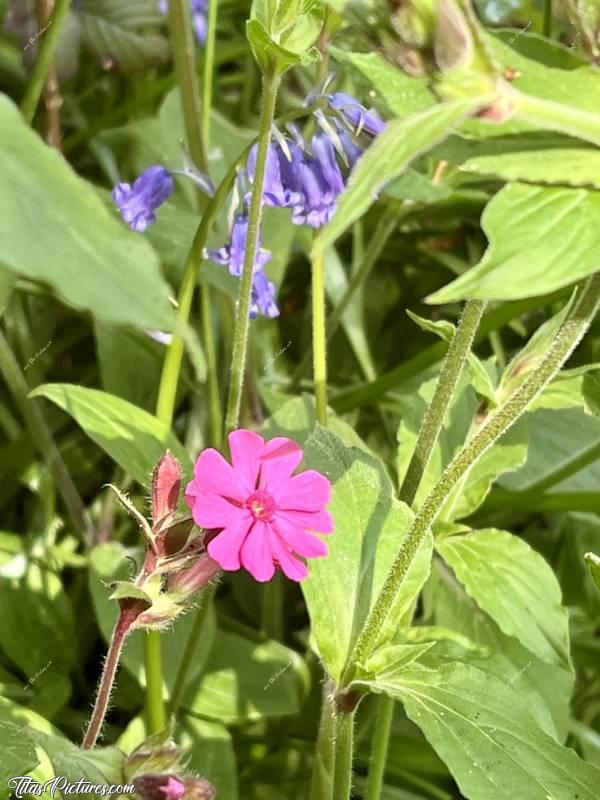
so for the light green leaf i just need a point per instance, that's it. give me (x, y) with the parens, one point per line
(515, 586)
(209, 752)
(133, 438)
(389, 155)
(18, 752)
(102, 765)
(124, 34)
(486, 735)
(369, 527)
(593, 562)
(92, 261)
(571, 388)
(540, 239)
(574, 167)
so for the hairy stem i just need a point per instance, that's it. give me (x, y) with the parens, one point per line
(498, 423)
(318, 333)
(342, 783)
(242, 321)
(44, 442)
(379, 747)
(47, 50)
(209, 69)
(431, 424)
(321, 786)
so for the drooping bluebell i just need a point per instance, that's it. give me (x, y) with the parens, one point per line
(355, 114)
(232, 254)
(138, 203)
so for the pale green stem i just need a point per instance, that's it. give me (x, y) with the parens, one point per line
(321, 787)
(155, 708)
(497, 423)
(318, 332)
(547, 28)
(379, 747)
(47, 50)
(242, 321)
(556, 116)
(342, 784)
(44, 442)
(209, 68)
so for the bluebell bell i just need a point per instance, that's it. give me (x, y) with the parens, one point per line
(355, 114)
(232, 254)
(199, 14)
(263, 296)
(281, 185)
(321, 181)
(352, 150)
(138, 203)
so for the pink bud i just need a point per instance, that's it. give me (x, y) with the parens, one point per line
(159, 787)
(191, 580)
(166, 484)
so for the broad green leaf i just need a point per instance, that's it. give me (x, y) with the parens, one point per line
(593, 562)
(18, 753)
(572, 388)
(92, 261)
(132, 437)
(209, 752)
(563, 453)
(540, 239)
(515, 586)
(102, 765)
(124, 35)
(486, 735)
(390, 154)
(403, 94)
(231, 692)
(570, 166)
(370, 525)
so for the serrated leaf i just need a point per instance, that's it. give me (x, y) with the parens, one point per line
(79, 249)
(487, 737)
(515, 586)
(370, 525)
(133, 438)
(569, 166)
(540, 239)
(390, 154)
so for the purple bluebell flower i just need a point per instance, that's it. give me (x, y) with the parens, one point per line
(263, 297)
(139, 202)
(321, 181)
(281, 187)
(199, 14)
(355, 114)
(232, 254)
(352, 150)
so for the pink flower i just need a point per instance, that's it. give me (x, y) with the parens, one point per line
(264, 510)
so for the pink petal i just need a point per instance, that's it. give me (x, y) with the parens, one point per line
(225, 547)
(214, 475)
(320, 521)
(256, 555)
(246, 448)
(299, 541)
(308, 491)
(212, 511)
(294, 569)
(280, 458)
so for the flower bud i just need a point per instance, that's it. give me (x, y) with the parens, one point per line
(166, 484)
(172, 787)
(189, 581)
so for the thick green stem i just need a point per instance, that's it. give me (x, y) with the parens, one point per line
(498, 423)
(431, 424)
(319, 344)
(379, 747)
(209, 69)
(47, 49)
(547, 27)
(242, 321)
(321, 787)
(556, 116)
(155, 706)
(44, 443)
(342, 783)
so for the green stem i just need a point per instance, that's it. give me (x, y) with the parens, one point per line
(47, 50)
(198, 628)
(497, 423)
(242, 321)
(547, 28)
(155, 708)
(431, 424)
(272, 608)
(342, 783)
(44, 442)
(321, 787)
(209, 69)
(379, 747)
(319, 332)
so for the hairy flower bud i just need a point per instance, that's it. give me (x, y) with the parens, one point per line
(166, 484)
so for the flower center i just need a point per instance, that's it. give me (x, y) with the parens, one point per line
(262, 505)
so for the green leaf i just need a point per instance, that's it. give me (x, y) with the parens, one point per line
(282, 33)
(130, 364)
(18, 752)
(570, 166)
(102, 765)
(230, 691)
(515, 586)
(133, 438)
(540, 239)
(593, 562)
(92, 261)
(390, 154)
(120, 34)
(486, 735)
(209, 752)
(370, 524)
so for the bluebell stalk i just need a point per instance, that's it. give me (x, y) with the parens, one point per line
(199, 16)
